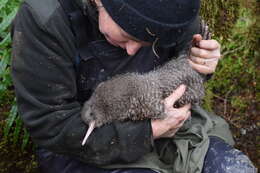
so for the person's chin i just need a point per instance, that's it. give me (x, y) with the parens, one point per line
(112, 42)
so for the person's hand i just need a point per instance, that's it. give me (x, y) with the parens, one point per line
(205, 56)
(175, 117)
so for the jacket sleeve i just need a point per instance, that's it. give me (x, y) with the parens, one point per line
(45, 84)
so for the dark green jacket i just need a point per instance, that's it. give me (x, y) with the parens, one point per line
(44, 76)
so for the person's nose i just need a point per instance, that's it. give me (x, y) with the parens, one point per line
(132, 47)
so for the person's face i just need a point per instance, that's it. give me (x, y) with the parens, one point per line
(115, 35)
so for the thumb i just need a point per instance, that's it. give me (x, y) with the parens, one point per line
(176, 95)
(196, 39)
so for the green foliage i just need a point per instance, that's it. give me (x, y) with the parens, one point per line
(4, 71)
(10, 120)
(233, 92)
(233, 88)
(13, 127)
(221, 15)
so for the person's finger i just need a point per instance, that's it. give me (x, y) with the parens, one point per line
(196, 60)
(170, 100)
(170, 133)
(197, 37)
(209, 44)
(185, 108)
(202, 68)
(203, 53)
(188, 115)
(202, 61)
(177, 115)
(184, 111)
(181, 121)
(180, 124)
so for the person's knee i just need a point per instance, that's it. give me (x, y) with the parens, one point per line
(236, 161)
(223, 158)
(133, 170)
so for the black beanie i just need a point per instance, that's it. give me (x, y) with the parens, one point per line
(148, 20)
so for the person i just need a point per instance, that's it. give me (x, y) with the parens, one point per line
(63, 49)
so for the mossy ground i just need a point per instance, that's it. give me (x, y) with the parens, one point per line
(13, 159)
(233, 92)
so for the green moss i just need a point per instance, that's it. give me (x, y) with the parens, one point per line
(233, 91)
(238, 70)
(239, 103)
(221, 15)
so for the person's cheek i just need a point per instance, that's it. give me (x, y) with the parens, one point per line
(104, 22)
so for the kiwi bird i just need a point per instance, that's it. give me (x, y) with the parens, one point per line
(134, 96)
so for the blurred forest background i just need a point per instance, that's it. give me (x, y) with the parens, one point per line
(233, 92)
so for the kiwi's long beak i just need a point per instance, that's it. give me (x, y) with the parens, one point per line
(90, 129)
